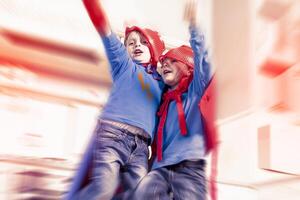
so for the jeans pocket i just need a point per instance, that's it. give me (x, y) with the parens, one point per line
(146, 149)
(109, 132)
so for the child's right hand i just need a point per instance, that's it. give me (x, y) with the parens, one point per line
(98, 16)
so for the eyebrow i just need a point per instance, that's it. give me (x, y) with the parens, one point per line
(129, 40)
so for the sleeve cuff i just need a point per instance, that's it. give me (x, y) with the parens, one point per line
(110, 40)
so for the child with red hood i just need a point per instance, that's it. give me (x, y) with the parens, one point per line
(186, 131)
(118, 152)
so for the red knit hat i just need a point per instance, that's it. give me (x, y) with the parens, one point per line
(183, 54)
(157, 46)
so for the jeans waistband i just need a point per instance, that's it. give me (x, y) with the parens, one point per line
(190, 163)
(131, 129)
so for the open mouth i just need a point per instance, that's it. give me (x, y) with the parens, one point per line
(137, 52)
(166, 71)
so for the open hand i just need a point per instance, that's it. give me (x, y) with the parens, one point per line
(190, 11)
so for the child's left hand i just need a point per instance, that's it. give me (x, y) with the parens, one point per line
(190, 11)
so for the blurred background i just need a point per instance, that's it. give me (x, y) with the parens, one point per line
(54, 80)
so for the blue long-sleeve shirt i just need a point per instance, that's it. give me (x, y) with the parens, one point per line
(135, 94)
(177, 147)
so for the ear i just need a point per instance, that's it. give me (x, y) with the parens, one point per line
(190, 71)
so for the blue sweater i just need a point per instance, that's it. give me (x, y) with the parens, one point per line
(176, 147)
(135, 94)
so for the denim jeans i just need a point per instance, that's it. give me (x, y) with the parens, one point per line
(182, 181)
(119, 157)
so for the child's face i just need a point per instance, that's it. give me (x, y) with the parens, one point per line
(137, 47)
(172, 71)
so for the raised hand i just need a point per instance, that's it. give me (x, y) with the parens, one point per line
(98, 16)
(190, 11)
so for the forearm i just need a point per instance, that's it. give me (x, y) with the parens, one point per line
(202, 67)
(197, 39)
(98, 16)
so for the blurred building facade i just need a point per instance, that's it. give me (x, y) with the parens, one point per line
(54, 81)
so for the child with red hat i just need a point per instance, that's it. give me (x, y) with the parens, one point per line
(119, 147)
(185, 133)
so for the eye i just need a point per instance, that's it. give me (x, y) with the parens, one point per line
(130, 42)
(145, 42)
(173, 61)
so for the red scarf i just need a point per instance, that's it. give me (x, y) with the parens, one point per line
(163, 112)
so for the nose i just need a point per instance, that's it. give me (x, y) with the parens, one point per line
(138, 44)
(165, 64)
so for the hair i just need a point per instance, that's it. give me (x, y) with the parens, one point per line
(182, 54)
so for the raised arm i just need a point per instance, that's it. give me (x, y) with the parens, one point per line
(116, 52)
(98, 16)
(201, 65)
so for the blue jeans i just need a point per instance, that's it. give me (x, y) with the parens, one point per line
(182, 181)
(120, 156)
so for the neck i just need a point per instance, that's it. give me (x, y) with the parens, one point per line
(171, 88)
(182, 85)
(144, 64)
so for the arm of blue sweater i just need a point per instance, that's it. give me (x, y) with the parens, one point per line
(201, 65)
(117, 55)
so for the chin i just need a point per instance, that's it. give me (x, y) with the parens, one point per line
(137, 61)
(169, 82)
(140, 61)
